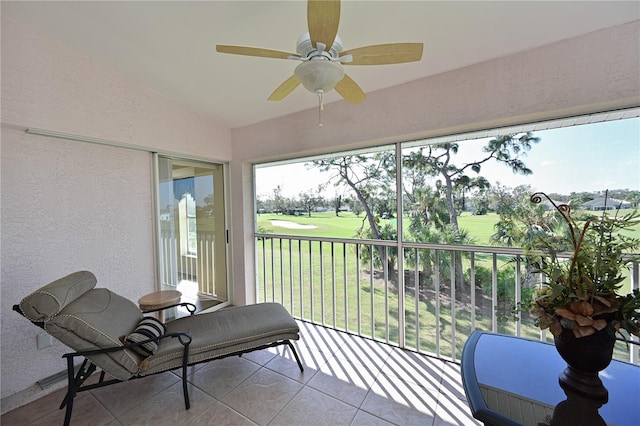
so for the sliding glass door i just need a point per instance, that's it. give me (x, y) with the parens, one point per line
(192, 234)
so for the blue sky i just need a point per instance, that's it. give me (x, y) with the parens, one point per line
(591, 157)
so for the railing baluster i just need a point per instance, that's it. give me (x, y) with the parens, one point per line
(311, 281)
(173, 267)
(300, 279)
(386, 293)
(472, 288)
(264, 267)
(344, 281)
(518, 295)
(291, 275)
(322, 283)
(372, 292)
(402, 325)
(273, 274)
(281, 261)
(196, 269)
(452, 297)
(416, 291)
(333, 283)
(634, 350)
(358, 283)
(207, 273)
(436, 288)
(494, 293)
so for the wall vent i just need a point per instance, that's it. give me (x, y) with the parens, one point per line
(55, 378)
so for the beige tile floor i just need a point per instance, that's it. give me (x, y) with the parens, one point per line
(347, 381)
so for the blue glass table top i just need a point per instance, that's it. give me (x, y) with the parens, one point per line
(510, 380)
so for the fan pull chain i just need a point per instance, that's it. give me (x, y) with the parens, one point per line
(320, 107)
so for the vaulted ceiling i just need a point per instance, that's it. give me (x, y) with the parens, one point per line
(169, 47)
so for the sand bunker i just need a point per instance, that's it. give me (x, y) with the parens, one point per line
(291, 225)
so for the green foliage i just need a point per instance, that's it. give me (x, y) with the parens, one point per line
(505, 288)
(580, 293)
(626, 317)
(386, 232)
(482, 277)
(264, 230)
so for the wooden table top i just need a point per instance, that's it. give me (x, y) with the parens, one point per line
(159, 299)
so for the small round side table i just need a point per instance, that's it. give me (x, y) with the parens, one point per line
(158, 300)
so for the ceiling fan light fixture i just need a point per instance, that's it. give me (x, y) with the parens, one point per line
(319, 75)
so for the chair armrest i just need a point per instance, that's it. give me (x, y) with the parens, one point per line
(190, 307)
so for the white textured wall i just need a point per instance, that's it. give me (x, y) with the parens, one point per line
(46, 85)
(68, 205)
(590, 73)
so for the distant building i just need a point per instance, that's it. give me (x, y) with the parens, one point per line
(603, 203)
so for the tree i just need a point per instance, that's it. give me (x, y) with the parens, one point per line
(480, 203)
(369, 177)
(437, 161)
(309, 200)
(355, 205)
(518, 217)
(464, 184)
(426, 209)
(634, 198)
(278, 200)
(261, 205)
(337, 203)
(578, 197)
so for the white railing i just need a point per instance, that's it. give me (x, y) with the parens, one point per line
(196, 267)
(340, 283)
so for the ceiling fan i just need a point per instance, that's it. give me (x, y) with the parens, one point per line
(320, 50)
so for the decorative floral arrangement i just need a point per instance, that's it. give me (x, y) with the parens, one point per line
(580, 292)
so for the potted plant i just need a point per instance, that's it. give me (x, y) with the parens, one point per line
(579, 300)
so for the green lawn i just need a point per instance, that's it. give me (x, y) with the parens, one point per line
(327, 224)
(311, 288)
(480, 228)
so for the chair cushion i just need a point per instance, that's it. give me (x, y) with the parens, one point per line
(148, 328)
(46, 302)
(96, 320)
(224, 332)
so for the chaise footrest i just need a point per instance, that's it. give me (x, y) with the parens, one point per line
(225, 332)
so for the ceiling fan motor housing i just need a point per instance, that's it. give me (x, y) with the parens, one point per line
(305, 48)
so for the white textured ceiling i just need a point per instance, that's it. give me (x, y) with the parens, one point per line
(169, 46)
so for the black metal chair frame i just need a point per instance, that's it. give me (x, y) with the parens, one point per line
(87, 368)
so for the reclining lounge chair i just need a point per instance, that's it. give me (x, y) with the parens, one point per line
(110, 333)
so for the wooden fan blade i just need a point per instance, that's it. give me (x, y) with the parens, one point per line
(285, 88)
(323, 18)
(350, 90)
(254, 51)
(381, 54)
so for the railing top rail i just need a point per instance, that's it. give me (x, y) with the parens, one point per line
(328, 239)
(515, 251)
(393, 243)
